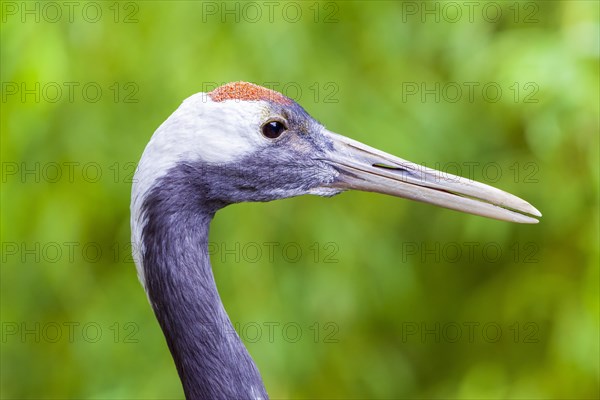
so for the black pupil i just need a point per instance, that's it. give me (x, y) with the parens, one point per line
(273, 129)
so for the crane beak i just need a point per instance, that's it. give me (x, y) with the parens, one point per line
(362, 167)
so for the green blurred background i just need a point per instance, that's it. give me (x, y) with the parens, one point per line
(359, 296)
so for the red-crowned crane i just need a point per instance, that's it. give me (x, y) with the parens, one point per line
(242, 142)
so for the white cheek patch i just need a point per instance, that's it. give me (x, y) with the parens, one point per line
(199, 130)
(204, 130)
(222, 131)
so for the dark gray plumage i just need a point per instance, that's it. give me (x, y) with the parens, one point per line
(211, 359)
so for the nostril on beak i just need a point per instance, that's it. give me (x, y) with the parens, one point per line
(391, 167)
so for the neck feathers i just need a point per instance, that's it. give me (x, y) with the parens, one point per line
(211, 359)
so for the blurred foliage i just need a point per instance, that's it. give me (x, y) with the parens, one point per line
(419, 302)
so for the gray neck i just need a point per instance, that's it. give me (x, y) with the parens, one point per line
(211, 359)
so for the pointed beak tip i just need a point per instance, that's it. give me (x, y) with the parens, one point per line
(534, 211)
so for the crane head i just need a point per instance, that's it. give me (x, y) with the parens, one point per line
(238, 143)
(242, 142)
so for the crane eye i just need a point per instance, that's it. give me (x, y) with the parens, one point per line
(273, 129)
